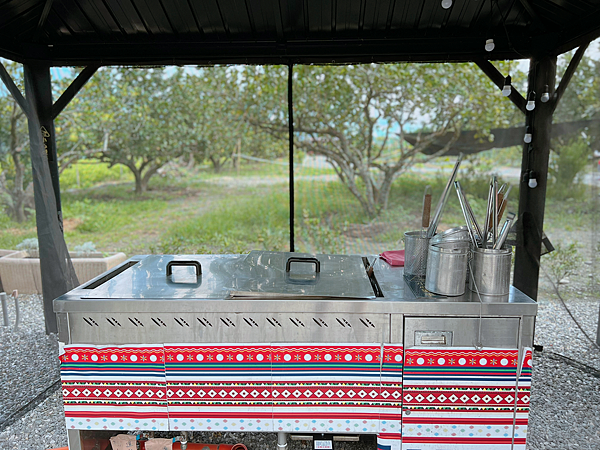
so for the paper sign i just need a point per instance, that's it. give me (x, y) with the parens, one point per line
(323, 445)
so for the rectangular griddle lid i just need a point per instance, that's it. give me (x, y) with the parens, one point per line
(260, 275)
(148, 278)
(294, 275)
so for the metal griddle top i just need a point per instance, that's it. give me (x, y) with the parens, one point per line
(260, 275)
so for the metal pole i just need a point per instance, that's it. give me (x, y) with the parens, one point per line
(281, 440)
(595, 241)
(542, 72)
(291, 142)
(4, 309)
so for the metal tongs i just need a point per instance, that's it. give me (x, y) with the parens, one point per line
(472, 225)
(496, 205)
(443, 199)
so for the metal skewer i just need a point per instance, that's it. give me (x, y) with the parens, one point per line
(495, 211)
(440, 206)
(488, 213)
(474, 224)
(471, 214)
(465, 213)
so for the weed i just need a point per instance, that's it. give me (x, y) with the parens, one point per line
(318, 237)
(562, 262)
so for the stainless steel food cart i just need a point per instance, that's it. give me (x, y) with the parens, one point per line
(294, 343)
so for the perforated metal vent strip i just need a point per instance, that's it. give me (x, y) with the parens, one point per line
(204, 321)
(320, 322)
(367, 323)
(227, 321)
(181, 322)
(273, 321)
(135, 321)
(91, 322)
(297, 322)
(114, 322)
(250, 321)
(158, 321)
(343, 322)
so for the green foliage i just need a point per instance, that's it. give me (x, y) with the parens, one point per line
(562, 262)
(316, 236)
(566, 163)
(28, 244)
(85, 249)
(357, 116)
(15, 167)
(139, 118)
(91, 173)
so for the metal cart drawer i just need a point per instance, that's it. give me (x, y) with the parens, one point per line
(461, 332)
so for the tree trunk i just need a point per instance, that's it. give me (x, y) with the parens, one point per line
(140, 188)
(150, 171)
(217, 163)
(15, 152)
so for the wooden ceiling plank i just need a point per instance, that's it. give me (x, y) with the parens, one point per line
(42, 21)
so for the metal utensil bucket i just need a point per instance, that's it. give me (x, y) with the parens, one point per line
(491, 273)
(447, 268)
(415, 253)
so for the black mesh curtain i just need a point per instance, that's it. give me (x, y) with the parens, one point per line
(58, 275)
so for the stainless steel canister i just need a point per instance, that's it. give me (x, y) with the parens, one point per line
(491, 273)
(415, 253)
(447, 268)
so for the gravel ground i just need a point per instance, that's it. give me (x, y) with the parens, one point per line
(28, 357)
(565, 399)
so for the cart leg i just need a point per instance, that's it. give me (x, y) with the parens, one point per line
(74, 440)
(281, 440)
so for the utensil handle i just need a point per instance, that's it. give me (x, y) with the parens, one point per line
(195, 264)
(301, 259)
(503, 206)
(426, 211)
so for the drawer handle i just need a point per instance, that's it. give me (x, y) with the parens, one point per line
(433, 340)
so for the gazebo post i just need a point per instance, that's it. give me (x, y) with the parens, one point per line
(40, 91)
(58, 275)
(542, 72)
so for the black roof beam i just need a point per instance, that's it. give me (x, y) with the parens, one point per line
(498, 79)
(72, 90)
(42, 21)
(569, 72)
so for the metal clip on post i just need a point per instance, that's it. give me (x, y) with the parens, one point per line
(4, 309)
(15, 295)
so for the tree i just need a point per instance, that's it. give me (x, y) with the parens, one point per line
(580, 102)
(140, 118)
(356, 116)
(222, 103)
(15, 176)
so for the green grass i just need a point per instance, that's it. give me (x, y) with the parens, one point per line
(241, 222)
